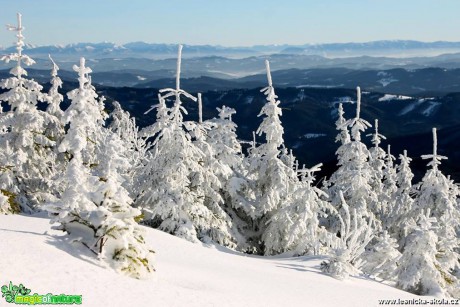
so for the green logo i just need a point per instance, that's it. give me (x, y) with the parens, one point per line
(21, 295)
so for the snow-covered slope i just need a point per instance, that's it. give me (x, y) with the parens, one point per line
(187, 274)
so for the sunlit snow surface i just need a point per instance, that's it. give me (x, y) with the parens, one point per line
(389, 97)
(187, 274)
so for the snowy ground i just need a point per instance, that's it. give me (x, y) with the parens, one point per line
(187, 274)
(390, 97)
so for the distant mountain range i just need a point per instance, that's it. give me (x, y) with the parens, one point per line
(398, 48)
(426, 81)
(131, 71)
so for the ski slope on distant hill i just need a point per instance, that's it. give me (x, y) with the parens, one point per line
(187, 274)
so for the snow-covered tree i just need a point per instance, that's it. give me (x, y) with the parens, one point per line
(269, 180)
(97, 212)
(54, 129)
(119, 238)
(436, 191)
(176, 187)
(8, 202)
(86, 117)
(8, 189)
(223, 139)
(22, 94)
(419, 270)
(230, 168)
(355, 234)
(402, 208)
(344, 136)
(439, 195)
(54, 98)
(136, 147)
(94, 208)
(354, 175)
(215, 171)
(30, 161)
(388, 197)
(74, 207)
(273, 176)
(124, 125)
(295, 226)
(271, 124)
(377, 162)
(404, 173)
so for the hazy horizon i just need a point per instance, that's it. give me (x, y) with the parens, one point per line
(229, 46)
(239, 23)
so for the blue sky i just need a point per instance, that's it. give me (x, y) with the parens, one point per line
(231, 22)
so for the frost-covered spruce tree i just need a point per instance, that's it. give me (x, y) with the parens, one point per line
(30, 162)
(75, 206)
(223, 139)
(419, 269)
(119, 239)
(176, 187)
(95, 210)
(54, 129)
(356, 233)
(162, 120)
(8, 203)
(7, 199)
(448, 250)
(86, 117)
(55, 98)
(227, 149)
(230, 167)
(214, 170)
(272, 175)
(402, 209)
(436, 191)
(199, 133)
(140, 185)
(124, 126)
(4, 125)
(382, 258)
(269, 180)
(439, 194)
(377, 162)
(344, 136)
(354, 176)
(296, 227)
(387, 198)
